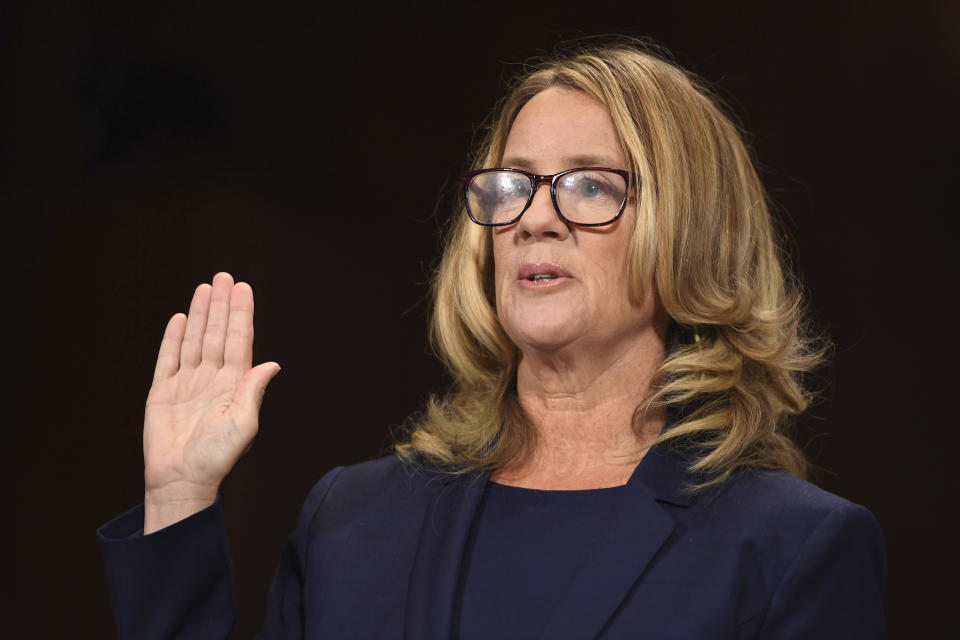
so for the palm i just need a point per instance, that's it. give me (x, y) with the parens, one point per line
(202, 410)
(191, 425)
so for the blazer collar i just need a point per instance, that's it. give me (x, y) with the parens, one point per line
(632, 536)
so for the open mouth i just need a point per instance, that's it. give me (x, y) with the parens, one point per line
(542, 277)
(543, 273)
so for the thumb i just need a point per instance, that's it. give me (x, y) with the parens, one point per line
(253, 385)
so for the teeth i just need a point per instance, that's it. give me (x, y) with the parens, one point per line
(543, 277)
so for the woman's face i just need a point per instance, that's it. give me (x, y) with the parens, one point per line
(589, 305)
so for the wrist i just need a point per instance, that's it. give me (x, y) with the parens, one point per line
(162, 508)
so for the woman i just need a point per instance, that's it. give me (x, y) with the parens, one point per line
(625, 346)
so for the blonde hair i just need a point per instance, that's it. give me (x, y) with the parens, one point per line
(739, 344)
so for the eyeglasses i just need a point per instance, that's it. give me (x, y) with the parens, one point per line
(587, 196)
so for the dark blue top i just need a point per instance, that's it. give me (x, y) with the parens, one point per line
(522, 552)
(379, 548)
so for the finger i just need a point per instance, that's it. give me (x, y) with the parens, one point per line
(238, 351)
(168, 360)
(196, 323)
(253, 385)
(216, 332)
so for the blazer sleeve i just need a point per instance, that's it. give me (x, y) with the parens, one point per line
(177, 582)
(835, 585)
(173, 583)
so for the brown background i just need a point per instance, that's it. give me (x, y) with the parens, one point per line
(311, 151)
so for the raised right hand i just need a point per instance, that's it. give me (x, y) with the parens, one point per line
(202, 409)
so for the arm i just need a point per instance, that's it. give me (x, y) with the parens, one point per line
(168, 561)
(173, 583)
(176, 582)
(834, 587)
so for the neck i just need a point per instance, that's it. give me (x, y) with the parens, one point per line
(582, 410)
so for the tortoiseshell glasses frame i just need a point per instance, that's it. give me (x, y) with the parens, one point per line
(538, 179)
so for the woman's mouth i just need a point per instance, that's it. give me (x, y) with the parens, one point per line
(542, 275)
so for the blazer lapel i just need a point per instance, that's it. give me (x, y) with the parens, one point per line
(436, 569)
(636, 530)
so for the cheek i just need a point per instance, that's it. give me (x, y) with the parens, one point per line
(500, 263)
(607, 262)
(611, 287)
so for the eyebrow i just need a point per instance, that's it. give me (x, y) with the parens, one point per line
(570, 162)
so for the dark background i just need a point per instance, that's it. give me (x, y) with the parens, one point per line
(311, 150)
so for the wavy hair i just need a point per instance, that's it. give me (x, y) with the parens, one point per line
(739, 343)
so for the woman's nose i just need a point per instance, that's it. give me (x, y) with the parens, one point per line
(541, 218)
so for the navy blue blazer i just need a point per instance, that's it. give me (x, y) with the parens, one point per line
(377, 550)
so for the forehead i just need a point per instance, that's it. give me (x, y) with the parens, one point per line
(559, 128)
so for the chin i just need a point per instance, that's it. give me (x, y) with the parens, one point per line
(549, 334)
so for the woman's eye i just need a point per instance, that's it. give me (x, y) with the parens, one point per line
(592, 188)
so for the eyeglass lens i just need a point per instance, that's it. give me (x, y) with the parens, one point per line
(586, 196)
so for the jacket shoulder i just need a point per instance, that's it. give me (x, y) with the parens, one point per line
(784, 518)
(780, 487)
(818, 552)
(781, 509)
(374, 493)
